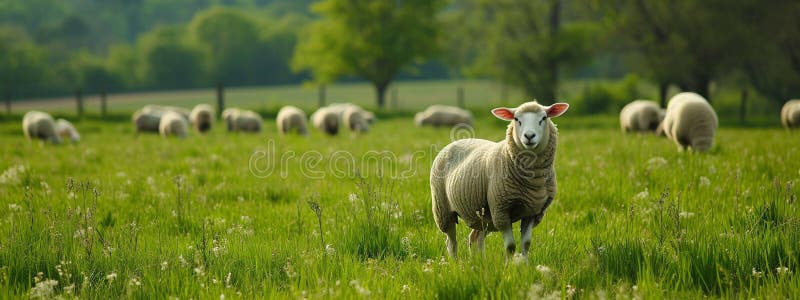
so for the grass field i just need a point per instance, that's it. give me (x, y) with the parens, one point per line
(255, 216)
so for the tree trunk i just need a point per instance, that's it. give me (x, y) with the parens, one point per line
(321, 95)
(662, 93)
(743, 105)
(552, 64)
(220, 97)
(380, 93)
(460, 96)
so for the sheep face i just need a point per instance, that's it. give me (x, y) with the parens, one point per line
(530, 125)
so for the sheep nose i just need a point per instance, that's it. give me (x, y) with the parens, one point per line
(530, 136)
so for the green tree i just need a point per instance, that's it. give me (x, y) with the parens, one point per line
(371, 39)
(522, 43)
(232, 38)
(22, 65)
(169, 60)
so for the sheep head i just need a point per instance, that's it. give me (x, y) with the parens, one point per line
(529, 124)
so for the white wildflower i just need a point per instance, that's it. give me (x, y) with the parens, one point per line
(44, 289)
(329, 249)
(111, 276)
(360, 289)
(221, 296)
(164, 265)
(12, 175)
(686, 214)
(352, 197)
(704, 181)
(756, 273)
(545, 270)
(134, 282)
(518, 259)
(642, 195)
(783, 271)
(405, 289)
(199, 271)
(13, 207)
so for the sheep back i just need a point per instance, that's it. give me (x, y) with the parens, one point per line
(290, 117)
(173, 124)
(40, 125)
(790, 114)
(202, 117)
(690, 121)
(640, 115)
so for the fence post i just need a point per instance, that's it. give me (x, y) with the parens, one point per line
(79, 102)
(220, 98)
(321, 95)
(103, 105)
(460, 96)
(8, 106)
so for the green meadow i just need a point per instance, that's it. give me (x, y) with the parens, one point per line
(222, 215)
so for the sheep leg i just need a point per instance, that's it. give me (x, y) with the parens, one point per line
(476, 238)
(525, 232)
(508, 239)
(452, 244)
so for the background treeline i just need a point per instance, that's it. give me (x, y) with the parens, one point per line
(752, 47)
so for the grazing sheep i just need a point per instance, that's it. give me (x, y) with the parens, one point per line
(227, 115)
(146, 120)
(65, 130)
(492, 185)
(370, 117)
(180, 110)
(202, 117)
(790, 114)
(640, 115)
(354, 119)
(244, 120)
(40, 125)
(442, 115)
(173, 124)
(291, 118)
(326, 120)
(690, 122)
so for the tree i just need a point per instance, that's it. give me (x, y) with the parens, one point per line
(22, 65)
(232, 38)
(168, 60)
(522, 43)
(371, 39)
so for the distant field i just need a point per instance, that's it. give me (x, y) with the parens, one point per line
(264, 216)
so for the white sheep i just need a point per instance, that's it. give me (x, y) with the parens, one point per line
(291, 118)
(242, 120)
(147, 120)
(790, 114)
(355, 119)
(690, 122)
(326, 120)
(66, 131)
(40, 125)
(640, 115)
(163, 108)
(442, 115)
(173, 124)
(202, 117)
(492, 185)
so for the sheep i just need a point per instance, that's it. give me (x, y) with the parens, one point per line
(492, 185)
(65, 130)
(354, 118)
(690, 122)
(291, 118)
(173, 124)
(242, 120)
(326, 120)
(790, 114)
(640, 115)
(441, 115)
(202, 117)
(180, 110)
(146, 120)
(40, 125)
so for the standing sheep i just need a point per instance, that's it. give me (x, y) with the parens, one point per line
(245, 121)
(164, 109)
(492, 185)
(640, 115)
(146, 120)
(202, 117)
(442, 115)
(690, 122)
(173, 124)
(790, 114)
(291, 118)
(40, 125)
(326, 120)
(65, 130)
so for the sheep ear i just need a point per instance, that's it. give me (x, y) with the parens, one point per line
(556, 109)
(504, 113)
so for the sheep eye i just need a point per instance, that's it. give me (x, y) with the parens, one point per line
(518, 121)
(542, 120)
